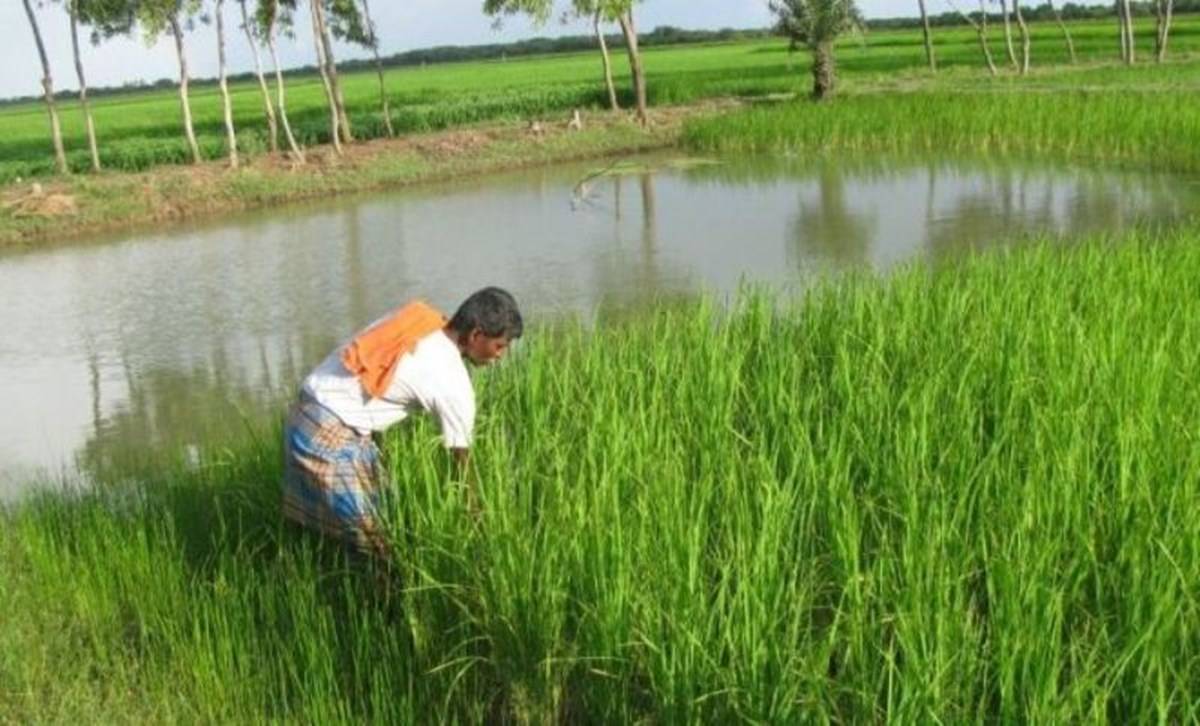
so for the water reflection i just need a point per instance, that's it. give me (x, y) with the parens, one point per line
(180, 339)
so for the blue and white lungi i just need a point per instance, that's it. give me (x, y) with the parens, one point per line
(331, 477)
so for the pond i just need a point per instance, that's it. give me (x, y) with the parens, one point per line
(175, 338)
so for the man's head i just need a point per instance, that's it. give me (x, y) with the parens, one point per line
(485, 324)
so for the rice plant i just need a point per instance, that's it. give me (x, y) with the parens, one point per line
(960, 493)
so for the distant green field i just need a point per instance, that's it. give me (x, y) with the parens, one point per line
(140, 130)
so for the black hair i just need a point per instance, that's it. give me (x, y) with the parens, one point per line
(493, 311)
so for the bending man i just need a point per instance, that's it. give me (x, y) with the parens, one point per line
(411, 360)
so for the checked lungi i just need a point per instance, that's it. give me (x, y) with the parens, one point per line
(331, 476)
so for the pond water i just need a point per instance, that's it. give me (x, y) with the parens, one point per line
(173, 339)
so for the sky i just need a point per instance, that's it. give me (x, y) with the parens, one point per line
(402, 25)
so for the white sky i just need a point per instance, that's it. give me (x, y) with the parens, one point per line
(402, 25)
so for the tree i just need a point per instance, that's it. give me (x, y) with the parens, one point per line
(344, 12)
(1066, 33)
(60, 156)
(607, 63)
(335, 130)
(348, 22)
(160, 16)
(1162, 28)
(981, 32)
(599, 11)
(268, 107)
(1024, 37)
(1125, 24)
(107, 17)
(269, 16)
(372, 41)
(223, 83)
(1008, 38)
(624, 12)
(816, 24)
(596, 10)
(928, 38)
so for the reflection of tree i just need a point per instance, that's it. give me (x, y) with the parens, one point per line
(355, 279)
(827, 227)
(212, 403)
(628, 282)
(1006, 208)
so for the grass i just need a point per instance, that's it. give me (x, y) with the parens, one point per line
(138, 131)
(1113, 127)
(964, 493)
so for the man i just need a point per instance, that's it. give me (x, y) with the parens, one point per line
(412, 359)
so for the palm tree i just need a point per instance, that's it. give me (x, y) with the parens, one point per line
(816, 24)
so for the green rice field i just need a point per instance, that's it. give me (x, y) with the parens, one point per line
(961, 494)
(140, 130)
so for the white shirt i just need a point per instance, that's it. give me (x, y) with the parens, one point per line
(431, 377)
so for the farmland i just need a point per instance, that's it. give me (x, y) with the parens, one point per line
(963, 491)
(141, 130)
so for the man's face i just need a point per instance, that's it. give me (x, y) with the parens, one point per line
(482, 349)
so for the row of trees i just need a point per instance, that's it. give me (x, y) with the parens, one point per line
(1011, 12)
(262, 21)
(817, 24)
(814, 24)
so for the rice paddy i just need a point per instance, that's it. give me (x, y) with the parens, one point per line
(141, 130)
(956, 494)
(959, 493)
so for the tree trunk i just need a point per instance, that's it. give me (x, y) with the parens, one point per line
(635, 64)
(928, 38)
(297, 153)
(223, 83)
(334, 117)
(1129, 32)
(268, 107)
(1008, 39)
(60, 155)
(89, 123)
(608, 76)
(1130, 43)
(1164, 10)
(1066, 33)
(1024, 37)
(1121, 32)
(331, 71)
(983, 39)
(188, 131)
(387, 112)
(980, 32)
(823, 70)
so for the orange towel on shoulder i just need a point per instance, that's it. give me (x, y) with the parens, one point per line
(373, 355)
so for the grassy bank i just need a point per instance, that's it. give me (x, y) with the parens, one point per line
(85, 205)
(957, 494)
